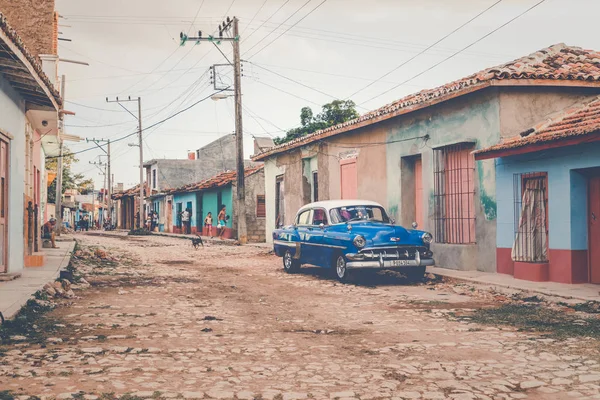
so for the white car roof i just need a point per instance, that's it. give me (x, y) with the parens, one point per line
(329, 204)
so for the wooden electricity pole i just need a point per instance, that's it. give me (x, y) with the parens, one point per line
(240, 204)
(59, 169)
(140, 130)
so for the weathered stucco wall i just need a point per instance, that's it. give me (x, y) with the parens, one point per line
(13, 123)
(523, 107)
(34, 21)
(471, 118)
(272, 171)
(255, 226)
(368, 144)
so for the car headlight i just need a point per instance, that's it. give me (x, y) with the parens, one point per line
(359, 242)
(427, 238)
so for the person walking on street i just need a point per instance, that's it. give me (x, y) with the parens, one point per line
(185, 219)
(154, 220)
(222, 218)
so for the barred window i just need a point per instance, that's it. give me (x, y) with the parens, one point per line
(454, 194)
(260, 206)
(530, 192)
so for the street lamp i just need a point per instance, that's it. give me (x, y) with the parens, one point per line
(220, 96)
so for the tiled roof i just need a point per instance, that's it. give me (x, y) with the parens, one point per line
(551, 65)
(573, 122)
(222, 179)
(131, 192)
(17, 41)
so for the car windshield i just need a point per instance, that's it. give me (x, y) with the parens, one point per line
(358, 213)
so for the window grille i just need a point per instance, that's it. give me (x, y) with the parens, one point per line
(315, 186)
(454, 194)
(261, 211)
(530, 191)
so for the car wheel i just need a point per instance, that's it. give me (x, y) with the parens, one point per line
(289, 264)
(340, 268)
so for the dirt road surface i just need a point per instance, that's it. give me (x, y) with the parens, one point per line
(164, 320)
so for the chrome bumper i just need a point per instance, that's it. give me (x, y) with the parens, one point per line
(359, 260)
(389, 264)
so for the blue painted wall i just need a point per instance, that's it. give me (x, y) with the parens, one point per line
(184, 198)
(567, 193)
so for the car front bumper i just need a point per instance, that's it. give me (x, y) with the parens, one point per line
(389, 263)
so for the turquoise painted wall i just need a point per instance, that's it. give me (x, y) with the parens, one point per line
(209, 203)
(567, 193)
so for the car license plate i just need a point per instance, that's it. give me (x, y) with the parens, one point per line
(399, 263)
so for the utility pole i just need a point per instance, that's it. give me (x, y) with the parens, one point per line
(109, 191)
(59, 172)
(99, 165)
(240, 206)
(140, 142)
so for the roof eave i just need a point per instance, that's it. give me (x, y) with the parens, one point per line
(467, 90)
(14, 49)
(527, 148)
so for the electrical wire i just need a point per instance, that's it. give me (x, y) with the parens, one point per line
(456, 53)
(288, 93)
(268, 19)
(287, 30)
(253, 17)
(425, 49)
(278, 26)
(146, 128)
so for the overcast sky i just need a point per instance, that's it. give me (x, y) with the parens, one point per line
(338, 49)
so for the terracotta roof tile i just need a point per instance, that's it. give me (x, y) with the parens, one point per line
(216, 181)
(575, 121)
(555, 63)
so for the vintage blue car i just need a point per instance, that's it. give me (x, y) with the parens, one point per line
(345, 235)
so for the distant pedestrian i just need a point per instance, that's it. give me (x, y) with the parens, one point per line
(222, 221)
(185, 219)
(154, 220)
(48, 231)
(208, 222)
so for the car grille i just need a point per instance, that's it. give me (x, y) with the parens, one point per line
(396, 253)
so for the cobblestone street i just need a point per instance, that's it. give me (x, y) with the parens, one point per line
(164, 320)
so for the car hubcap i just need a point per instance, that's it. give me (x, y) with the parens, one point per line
(288, 261)
(341, 267)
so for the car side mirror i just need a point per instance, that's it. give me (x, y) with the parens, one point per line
(415, 225)
(295, 226)
(322, 226)
(393, 221)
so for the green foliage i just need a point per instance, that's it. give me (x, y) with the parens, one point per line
(70, 180)
(336, 112)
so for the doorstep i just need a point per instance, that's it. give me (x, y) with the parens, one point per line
(577, 291)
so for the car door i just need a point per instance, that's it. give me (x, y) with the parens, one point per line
(320, 253)
(303, 222)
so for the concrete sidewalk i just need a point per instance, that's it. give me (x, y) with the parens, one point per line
(583, 291)
(14, 294)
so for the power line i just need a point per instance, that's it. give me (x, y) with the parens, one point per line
(456, 53)
(292, 80)
(278, 26)
(288, 93)
(253, 17)
(425, 49)
(144, 129)
(268, 19)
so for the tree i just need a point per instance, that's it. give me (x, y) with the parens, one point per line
(336, 112)
(70, 180)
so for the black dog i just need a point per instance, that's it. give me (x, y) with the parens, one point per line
(197, 241)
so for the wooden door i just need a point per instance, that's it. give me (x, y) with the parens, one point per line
(349, 179)
(594, 229)
(3, 206)
(419, 193)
